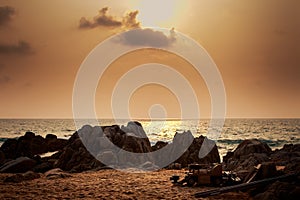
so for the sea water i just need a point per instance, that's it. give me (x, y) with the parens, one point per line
(275, 132)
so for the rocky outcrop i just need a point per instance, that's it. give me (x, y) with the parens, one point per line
(107, 144)
(288, 156)
(253, 152)
(19, 165)
(30, 145)
(127, 147)
(248, 154)
(75, 158)
(191, 156)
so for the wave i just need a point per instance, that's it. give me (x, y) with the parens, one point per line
(271, 143)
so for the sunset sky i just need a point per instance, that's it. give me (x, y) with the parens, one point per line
(254, 43)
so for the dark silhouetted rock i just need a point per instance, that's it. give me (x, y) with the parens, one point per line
(9, 148)
(31, 145)
(17, 178)
(43, 167)
(29, 135)
(56, 144)
(19, 165)
(74, 157)
(251, 146)
(191, 155)
(51, 137)
(2, 157)
(267, 170)
(248, 154)
(288, 156)
(158, 145)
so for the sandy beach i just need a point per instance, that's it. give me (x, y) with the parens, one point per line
(105, 184)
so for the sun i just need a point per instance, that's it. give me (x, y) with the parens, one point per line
(153, 13)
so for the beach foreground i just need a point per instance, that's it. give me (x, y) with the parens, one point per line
(105, 184)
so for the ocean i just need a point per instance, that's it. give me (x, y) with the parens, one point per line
(275, 132)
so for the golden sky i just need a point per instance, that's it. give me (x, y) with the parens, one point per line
(254, 43)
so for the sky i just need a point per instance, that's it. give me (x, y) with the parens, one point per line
(254, 43)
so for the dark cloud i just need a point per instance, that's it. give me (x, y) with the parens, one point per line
(106, 20)
(130, 20)
(21, 48)
(6, 13)
(148, 37)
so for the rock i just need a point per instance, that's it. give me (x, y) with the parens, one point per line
(191, 155)
(31, 145)
(9, 148)
(246, 162)
(51, 137)
(248, 154)
(56, 144)
(280, 190)
(29, 135)
(251, 146)
(108, 157)
(20, 165)
(17, 178)
(228, 155)
(42, 167)
(56, 173)
(74, 157)
(267, 170)
(158, 145)
(135, 144)
(2, 157)
(288, 156)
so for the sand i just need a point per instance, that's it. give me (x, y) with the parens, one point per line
(106, 184)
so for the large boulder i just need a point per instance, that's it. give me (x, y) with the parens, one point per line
(9, 148)
(187, 156)
(191, 156)
(75, 157)
(19, 165)
(114, 146)
(248, 154)
(251, 146)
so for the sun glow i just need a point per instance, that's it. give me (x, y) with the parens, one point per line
(157, 12)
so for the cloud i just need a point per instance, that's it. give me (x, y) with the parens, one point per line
(105, 20)
(6, 13)
(21, 47)
(148, 37)
(130, 20)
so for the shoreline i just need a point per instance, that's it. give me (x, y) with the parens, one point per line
(72, 162)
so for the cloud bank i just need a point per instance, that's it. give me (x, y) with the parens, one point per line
(6, 13)
(105, 20)
(21, 48)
